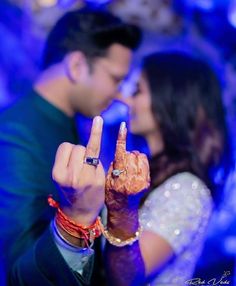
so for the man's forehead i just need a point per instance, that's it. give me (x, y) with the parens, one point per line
(119, 58)
(118, 49)
(117, 53)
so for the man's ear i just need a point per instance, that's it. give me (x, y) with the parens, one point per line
(76, 66)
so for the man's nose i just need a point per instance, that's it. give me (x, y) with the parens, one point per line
(127, 100)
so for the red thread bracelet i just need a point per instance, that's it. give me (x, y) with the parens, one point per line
(88, 233)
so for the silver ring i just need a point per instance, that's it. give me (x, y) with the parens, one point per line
(91, 161)
(116, 172)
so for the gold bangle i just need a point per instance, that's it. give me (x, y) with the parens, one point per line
(120, 243)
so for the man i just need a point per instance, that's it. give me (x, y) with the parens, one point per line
(86, 56)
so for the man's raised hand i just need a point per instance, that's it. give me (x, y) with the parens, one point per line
(80, 179)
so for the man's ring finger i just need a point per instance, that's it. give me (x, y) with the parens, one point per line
(91, 161)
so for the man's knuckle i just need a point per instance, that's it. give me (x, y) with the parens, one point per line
(79, 149)
(75, 183)
(65, 145)
(57, 176)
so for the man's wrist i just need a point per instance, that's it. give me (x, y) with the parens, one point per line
(80, 217)
(75, 232)
(74, 241)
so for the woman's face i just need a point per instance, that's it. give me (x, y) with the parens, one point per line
(142, 120)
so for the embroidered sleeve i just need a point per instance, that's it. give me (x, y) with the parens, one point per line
(177, 210)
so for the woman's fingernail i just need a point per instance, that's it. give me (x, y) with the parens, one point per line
(122, 126)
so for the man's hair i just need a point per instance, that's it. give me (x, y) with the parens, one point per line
(90, 31)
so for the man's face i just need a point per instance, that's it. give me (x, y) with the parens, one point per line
(100, 86)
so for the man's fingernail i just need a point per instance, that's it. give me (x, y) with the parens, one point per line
(122, 126)
(98, 120)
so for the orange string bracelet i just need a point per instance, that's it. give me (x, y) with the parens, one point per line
(88, 233)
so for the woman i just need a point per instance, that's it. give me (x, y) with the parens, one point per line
(178, 109)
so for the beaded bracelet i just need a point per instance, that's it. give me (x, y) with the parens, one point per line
(120, 243)
(88, 233)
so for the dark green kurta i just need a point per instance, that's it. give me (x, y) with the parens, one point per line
(30, 133)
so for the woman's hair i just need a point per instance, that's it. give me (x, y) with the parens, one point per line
(187, 106)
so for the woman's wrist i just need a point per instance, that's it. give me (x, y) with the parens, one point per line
(123, 223)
